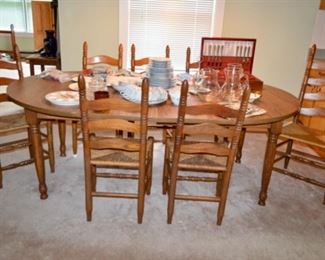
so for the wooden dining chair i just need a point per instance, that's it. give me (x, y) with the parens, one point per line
(198, 157)
(103, 150)
(143, 61)
(12, 120)
(11, 33)
(297, 135)
(86, 62)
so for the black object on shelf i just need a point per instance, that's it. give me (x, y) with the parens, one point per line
(50, 45)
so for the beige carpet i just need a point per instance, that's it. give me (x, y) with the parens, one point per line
(291, 226)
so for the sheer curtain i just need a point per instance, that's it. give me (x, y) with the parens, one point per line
(179, 23)
(18, 13)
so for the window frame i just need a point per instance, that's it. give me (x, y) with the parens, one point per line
(28, 29)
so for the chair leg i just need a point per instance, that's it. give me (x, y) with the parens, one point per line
(141, 192)
(149, 173)
(93, 178)
(240, 145)
(74, 125)
(165, 172)
(171, 195)
(219, 185)
(88, 187)
(288, 152)
(223, 197)
(62, 131)
(50, 146)
(1, 177)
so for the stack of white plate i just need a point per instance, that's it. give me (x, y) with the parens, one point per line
(160, 73)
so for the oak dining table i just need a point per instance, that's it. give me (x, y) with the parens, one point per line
(30, 93)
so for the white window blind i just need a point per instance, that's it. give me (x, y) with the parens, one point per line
(153, 24)
(18, 13)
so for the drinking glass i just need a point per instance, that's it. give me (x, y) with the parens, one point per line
(232, 88)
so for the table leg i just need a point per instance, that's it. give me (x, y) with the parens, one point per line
(31, 68)
(62, 132)
(42, 67)
(32, 120)
(269, 156)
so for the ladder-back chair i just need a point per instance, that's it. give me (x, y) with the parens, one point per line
(103, 150)
(12, 120)
(207, 159)
(312, 100)
(89, 61)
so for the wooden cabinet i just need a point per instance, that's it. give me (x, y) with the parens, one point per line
(43, 19)
(322, 5)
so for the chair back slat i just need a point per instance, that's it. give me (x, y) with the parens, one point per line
(313, 111)
(114, 143)
(205, 148)
(101, 59)
(209, 129)
(212, 109)
(113, 104)
(320, 96)
(113, 124)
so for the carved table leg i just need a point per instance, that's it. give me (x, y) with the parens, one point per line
(269, 156)
(32, 120)
(62, 131)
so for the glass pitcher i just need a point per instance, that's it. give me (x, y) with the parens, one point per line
(232, 88)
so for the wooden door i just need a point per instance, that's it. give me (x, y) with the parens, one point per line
(43, 19)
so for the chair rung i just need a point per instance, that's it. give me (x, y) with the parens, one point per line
(197, 198)
(298, 176)
(117, 175)
(309, 156)
(16, 165)
(10, 146)
(201, 168)
(196, 178)
(115, 195)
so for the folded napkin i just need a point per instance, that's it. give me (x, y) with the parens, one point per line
(123, 80)
(56, 75)
(174, 94)
(252, 110)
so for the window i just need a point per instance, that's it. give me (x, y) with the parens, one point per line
(18, 13)
(153, 24)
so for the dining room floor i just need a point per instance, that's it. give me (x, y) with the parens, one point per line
(290, 226)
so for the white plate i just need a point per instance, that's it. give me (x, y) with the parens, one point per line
(74, 86)
(63, 98)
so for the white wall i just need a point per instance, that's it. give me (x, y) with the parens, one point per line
(95, 21)
(283, 29)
